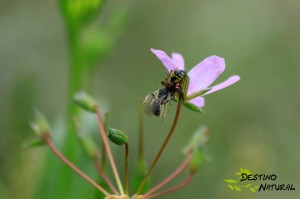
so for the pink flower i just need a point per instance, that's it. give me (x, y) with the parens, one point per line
(200, 77)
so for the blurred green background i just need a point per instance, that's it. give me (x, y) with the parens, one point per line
(253, 124)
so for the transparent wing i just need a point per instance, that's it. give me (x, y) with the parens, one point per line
(148, 103)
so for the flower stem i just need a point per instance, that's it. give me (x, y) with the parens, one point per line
(73, 167)
(170, 177)
(162, 148)
(126, 167)
(105, 178)
(108, 151)
(174, 188)
(103, 157)
(141, 133)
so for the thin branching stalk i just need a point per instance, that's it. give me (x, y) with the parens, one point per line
(126, 167)
(103, 153)
(162, 148)
(185, 182)
(183, 165)
(141, 133)
(105, 178)
(108, 151)
(73, 167)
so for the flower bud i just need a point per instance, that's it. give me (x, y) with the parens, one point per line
(40, 126)
(79, 12)
(116, 136)
(89, 146)
(197, 160)
(85, 101)
(199, 138)
(196, 149)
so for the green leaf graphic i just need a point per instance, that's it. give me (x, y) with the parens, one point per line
(238, 189)
(247, 185)
(238, 173)
(253, 190)
(230, 186)
(230, 181)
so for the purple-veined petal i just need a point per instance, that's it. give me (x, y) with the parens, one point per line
(205, 73)
(198, 101)
(231, 80)
(178, 60)
(165, 59)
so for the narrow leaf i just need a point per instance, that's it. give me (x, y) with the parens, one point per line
(230, 186)
(247, 186)
(193, 107)
(33, 143)
(230, 181)
(253, 190)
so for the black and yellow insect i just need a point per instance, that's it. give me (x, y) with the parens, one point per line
(173, 86)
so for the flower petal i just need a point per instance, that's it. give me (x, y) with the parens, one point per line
(198, 101)
(231, 80)
(178, 60)
(165, 59)
(205, 73)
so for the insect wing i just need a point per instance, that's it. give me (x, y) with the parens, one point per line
(148, 103)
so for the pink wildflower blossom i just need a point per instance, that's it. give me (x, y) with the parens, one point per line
(200, 77)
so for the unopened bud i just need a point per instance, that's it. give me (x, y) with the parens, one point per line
(85, 101)
(116, 136)
(40, 125)
(89, 146)
(196, 149)
(197, 160)
(199, 138)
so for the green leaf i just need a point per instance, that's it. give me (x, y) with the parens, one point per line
(230, 186)
(253, 190)
(33, 143)
(193, 107)
(247, 186)
(197, 94)
(238, 173)
(230, 181)
(256, 187)
(238, 189)
(246, 171)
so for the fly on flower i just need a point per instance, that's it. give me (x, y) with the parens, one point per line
(173, 86)
(197, 81)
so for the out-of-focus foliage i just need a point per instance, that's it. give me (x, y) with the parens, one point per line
(253, 124)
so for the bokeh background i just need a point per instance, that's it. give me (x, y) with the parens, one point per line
(253, 124)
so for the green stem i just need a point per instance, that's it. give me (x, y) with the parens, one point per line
(104, 177)
(75, 84)
(141, 133)
(162, 148)
(73, 167)
(126, 167)
(108, 151)
(183, 165)
(185, 182)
